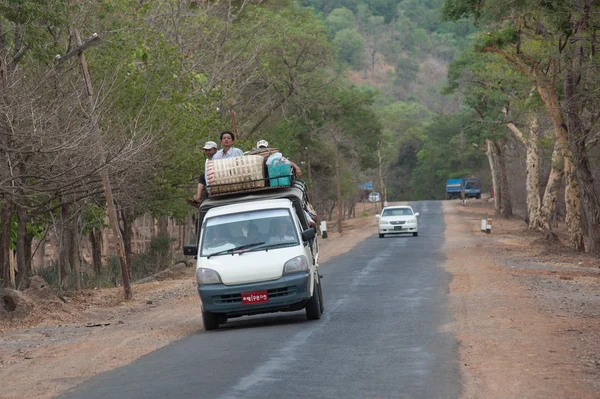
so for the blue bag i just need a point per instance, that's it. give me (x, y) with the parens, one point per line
(279, 173)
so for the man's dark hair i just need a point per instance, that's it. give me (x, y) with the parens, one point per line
(229, 133)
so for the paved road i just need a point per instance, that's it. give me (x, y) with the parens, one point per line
(382, 336)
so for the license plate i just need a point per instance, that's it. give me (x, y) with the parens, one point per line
(250, 298)
(397, 227)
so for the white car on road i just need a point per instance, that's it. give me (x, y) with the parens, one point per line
(398, 220)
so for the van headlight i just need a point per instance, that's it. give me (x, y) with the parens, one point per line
(413, 220)
(207, 276)
(295, 265)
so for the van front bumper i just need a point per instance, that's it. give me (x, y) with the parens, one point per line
(288, 293)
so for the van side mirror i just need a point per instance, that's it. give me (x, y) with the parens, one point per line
(190, 250)
(378, 216)
(308, 235)
(417, 214)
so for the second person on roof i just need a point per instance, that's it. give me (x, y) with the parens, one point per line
(227, 149)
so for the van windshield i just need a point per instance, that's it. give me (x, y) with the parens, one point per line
(245, 230)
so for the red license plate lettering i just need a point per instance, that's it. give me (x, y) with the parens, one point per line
(249, 298)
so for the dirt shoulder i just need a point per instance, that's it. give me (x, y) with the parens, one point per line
(527, 314)
(57, 346)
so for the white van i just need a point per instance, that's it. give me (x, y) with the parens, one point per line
(256, 254)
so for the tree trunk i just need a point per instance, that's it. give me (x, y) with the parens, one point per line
(573, 205)
(492, 159)
(552, 187)
(41, 254)
(21, 261)
(73, 237)
(506, 202)
(110, 204)
(6, 223)
(573, 216)
(2, 269)
(330, 211)
(338, 185)
(95, 236)
(127, 233)
(383, 190)
(576, 139)
(591, 203)
(531, 144)
(28, 255)
(64, 248)
(373, 53)
(163, 226)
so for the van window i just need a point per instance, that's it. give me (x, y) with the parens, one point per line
(271, 226)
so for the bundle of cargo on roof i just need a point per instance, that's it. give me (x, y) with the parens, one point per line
(248, 173)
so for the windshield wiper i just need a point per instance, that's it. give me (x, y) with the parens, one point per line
(230, 250)
(279, 244)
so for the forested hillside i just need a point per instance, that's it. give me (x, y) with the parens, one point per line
(401, 50)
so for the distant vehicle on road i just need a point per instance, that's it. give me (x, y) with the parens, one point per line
(398, 220)
(374, 197)
(471, 187)
(454, 188)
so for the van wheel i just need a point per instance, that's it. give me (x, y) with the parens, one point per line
(210, 321)
(321, 303)
(380, 235)
(313, 307)
(415, 234)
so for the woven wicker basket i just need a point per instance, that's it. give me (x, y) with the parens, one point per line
(263, 152)
(235, 174)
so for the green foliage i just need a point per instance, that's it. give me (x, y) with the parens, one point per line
(350, 44)
(446, 153)
(338, 19)
(30, 25)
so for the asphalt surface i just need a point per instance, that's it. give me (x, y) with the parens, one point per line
(382, 335)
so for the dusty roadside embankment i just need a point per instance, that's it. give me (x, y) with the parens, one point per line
(58, 346)
(526, 314)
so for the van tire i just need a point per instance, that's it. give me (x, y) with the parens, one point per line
(210, 321)
(321, 302)
(380, 235)
(313, 306)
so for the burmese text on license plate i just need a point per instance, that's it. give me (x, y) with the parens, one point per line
(249, 298)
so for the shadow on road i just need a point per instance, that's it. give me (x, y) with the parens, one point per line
(262, 321)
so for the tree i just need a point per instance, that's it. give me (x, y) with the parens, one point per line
(532, 39)
(350, 44)
(339, 19)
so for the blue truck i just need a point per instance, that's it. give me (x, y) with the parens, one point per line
(471, 187)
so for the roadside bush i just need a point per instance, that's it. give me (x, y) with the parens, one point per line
(156, 258)
(50, 274)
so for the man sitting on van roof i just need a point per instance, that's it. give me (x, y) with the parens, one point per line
(210, 149)
(227, 150)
